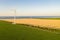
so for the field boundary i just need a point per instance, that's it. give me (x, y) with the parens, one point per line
(52, 30)
(44, 28)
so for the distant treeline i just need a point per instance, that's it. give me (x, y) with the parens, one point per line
(17, 17)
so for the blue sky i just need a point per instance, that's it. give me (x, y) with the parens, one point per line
(30, 7)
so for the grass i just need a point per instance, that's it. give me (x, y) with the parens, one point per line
(10, 31)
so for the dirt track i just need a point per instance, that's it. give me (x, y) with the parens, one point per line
(41, 22)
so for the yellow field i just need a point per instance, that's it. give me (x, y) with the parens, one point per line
(41, 22)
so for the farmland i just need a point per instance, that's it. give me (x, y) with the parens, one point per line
(51, 23)
(10, 31)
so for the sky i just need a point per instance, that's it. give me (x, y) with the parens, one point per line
(30, 7)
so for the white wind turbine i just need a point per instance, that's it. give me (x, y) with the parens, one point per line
(14, 17)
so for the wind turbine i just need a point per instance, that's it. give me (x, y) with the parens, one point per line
(14, 17)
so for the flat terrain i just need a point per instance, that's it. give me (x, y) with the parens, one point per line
(52, 23)
(10, 31)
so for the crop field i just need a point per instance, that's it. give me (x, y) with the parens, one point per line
(9, 31)
(51, 23)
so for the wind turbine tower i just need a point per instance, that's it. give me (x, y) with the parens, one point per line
(14, 17)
